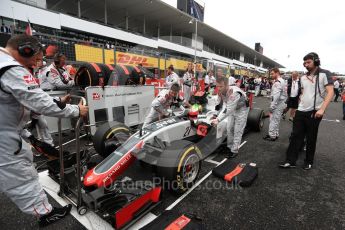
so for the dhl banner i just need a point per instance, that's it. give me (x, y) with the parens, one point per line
(88, 53)
(135, 59)
(91, 54)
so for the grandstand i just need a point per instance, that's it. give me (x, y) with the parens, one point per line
(150, 32)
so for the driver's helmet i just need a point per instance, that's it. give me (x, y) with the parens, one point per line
(194, 111)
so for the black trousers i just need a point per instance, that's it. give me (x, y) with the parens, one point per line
(304, 125)
(336, 92)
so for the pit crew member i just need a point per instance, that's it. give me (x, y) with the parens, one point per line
(161, 104)
(235, 108)
(20, 94)
(277, 106)
(57, 77)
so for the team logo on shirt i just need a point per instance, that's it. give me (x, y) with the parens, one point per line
(96, 96)
(30, 80)
(54, 73)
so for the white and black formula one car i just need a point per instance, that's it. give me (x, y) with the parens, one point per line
(173, 148)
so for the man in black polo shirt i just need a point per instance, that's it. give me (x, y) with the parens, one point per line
(317, 93)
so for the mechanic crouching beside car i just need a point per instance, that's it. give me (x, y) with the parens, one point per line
(20, 94)
(235, 108)
(160, 105)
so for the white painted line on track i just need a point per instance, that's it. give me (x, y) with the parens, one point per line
(336, 120)
(243, 143)
(149, 217)
(212, 161)
(211, 157)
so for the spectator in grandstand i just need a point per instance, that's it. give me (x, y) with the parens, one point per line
(317, 93)
(210, 81)
(171, 77)
(336, 89)
(278, 95)
(188, 81)
(19, 95)
(293, 91)
(57, 76)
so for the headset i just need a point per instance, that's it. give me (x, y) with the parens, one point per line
(315, 58)
(28, 50)
(57, 57)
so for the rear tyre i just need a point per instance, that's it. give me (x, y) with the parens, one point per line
(255, 120)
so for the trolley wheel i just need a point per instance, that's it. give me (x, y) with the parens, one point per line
(82, 210)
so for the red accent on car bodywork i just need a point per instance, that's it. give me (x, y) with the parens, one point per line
(127, 213)
(106, 178)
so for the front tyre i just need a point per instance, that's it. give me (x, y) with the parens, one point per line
(180, 165)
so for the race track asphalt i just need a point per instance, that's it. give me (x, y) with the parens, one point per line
(278, 199)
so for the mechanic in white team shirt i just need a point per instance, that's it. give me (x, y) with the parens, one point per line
(162, 103)
(171, 77)
(57, 76)
(232, 81)
(188, 81)
(277, 106)
(235, 108)
(210, 81)
(20, 94)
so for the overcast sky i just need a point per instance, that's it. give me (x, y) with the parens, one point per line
(287, 30)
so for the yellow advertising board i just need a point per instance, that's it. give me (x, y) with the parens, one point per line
(91, 54)
(135, 59)
(178, 64)
(109, 56)
(88, 53)
(242, 72)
